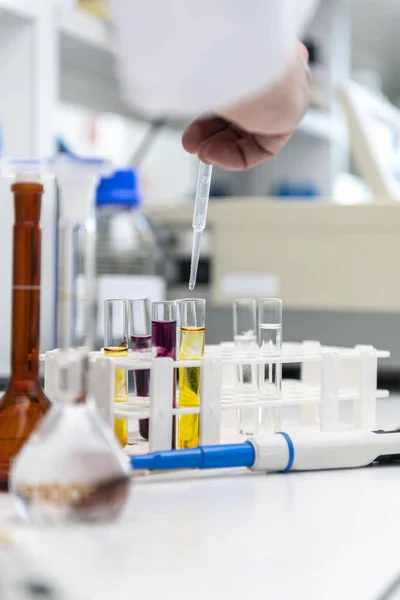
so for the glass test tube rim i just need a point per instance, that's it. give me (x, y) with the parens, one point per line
(107, 300)
(169, 303)
(125, 299)
(276, 308)
(245, 301)
(108, 323)
(147, 314)
(198, 303)
(241, 302)
(137, 298)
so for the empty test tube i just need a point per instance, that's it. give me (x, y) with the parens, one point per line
(139, 311)
(116, 331)
(270, 373)
(245, 340)
(192, 337)
(163, 339)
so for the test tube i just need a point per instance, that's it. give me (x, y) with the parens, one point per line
(245, 339)
(139, 312)
(270, 373)
(116, 331)
(163, 339)
(192, 337)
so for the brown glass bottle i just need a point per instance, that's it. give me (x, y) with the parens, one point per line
(24, 402)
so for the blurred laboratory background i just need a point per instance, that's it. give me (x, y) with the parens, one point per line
(318, 226)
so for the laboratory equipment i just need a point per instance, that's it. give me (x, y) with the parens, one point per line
(116, 332)
(140, 336)
(270, 343)
(163, 340)
(335, 309)
(164, 329)
(199, 217)
(283, 452)
(245, 340)
(192, 339)
(76, 302)
(24, 402)
(125, 240)
(72, 468)
(338, 375)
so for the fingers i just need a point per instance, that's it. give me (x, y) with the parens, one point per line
(217, 142)
(302, 50)
(235, 152)
(304, 56)
(256, 149)
(245, 135)
(200, 130)
(220, 149)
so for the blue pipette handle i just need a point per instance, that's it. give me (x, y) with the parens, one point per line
(307, 451)
(203, 457)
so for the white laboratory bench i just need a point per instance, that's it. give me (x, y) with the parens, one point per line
(321, 535)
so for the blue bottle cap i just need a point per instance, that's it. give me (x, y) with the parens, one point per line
(120, 189)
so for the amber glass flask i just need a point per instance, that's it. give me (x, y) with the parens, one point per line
(24, 402)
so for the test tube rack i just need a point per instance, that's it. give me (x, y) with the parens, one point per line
(329, 376)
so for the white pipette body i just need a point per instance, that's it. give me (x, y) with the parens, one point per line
(199, 217)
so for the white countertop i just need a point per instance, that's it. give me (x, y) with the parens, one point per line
(321, 535)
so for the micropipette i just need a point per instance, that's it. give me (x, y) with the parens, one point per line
(199, 217)
(283, 452)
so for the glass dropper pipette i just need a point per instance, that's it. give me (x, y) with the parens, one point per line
(199, 217)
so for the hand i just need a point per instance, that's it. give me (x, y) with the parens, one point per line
(245, 135)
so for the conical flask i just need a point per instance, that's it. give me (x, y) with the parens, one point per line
(72, 468)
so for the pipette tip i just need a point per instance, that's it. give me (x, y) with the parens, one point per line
(191, 287)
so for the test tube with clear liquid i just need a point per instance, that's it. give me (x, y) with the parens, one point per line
(270, 373)
(245, 340)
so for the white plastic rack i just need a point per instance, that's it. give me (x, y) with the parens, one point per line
(329, 376)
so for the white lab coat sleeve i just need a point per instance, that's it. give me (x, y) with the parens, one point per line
(186, 57)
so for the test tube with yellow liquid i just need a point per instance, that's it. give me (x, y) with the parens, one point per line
(116, 331)
(192, 337)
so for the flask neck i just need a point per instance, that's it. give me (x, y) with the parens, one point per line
(26, 281)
